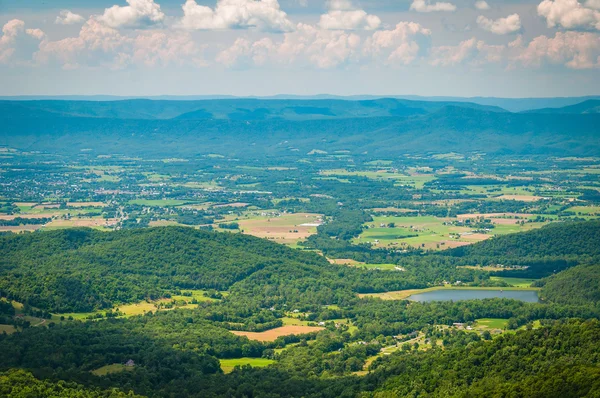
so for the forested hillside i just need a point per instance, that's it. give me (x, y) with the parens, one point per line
(381, 127)
(578, 285)
(544, 251)
(83, 269)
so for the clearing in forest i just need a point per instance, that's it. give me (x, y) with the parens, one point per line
(273, 334)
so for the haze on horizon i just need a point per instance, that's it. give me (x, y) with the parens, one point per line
(525, 48)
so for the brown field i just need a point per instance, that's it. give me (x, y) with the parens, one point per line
(391, 210)
(86, 204)
(524, 198)
(236, 204)
(82, 222)
(505, 221)
(476, 237)
(21, 228)
(287, 228)
(344, 261)
(25, 204)
(273, 334)
(492, 215)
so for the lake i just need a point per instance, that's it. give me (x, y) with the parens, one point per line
(530, 296)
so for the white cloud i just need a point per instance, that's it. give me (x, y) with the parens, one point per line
(98, 45)
(570, 14)
(322, 48)
(482, 5)
(17, 44)
(236, 14)
(576, 50)
(401, 45)
(66, 17)
(307, 45)
(425, 6)
(138, 14)
(472, 51)
(500, 26)
(345, 15)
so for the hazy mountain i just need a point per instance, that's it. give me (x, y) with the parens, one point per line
(254, 128)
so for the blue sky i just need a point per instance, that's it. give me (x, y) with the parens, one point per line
(264, 47)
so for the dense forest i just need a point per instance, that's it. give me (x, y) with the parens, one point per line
(178, 352)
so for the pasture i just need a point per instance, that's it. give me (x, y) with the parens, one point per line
(114, 368)
(437, 233)
(227, 365)
(514, 282)
(273, 334)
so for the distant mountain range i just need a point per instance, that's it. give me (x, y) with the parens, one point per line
(284, 127)
(509, 104)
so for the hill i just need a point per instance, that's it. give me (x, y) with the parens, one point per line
(77, 270)
(380, 128)
(579, 285)
(232, 109)
(589, 106)
(544, 251)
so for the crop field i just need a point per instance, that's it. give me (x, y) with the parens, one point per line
(415, 180)
(436, 233)
(523, 198)
(286, 228)
(273, 334)
(227, 365)
(96, 222)
(20, 228)
(157, 202)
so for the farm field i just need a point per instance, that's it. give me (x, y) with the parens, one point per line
(227, 365)
(433, 233)
(491, 323)
(515, 282)
(286, 228)
(273, 334)
(157, 202)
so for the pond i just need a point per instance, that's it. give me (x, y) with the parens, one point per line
(529, 296)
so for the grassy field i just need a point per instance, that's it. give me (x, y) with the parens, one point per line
(144, 306)
(114, 368)
(8, 329)
(491, 323)
(433, 233)
(227, 365)
(585, 210)
(515, 282)
(416, 181)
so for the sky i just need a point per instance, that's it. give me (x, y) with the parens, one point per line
(499, 48)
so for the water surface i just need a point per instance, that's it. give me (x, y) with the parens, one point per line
(530, 296)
